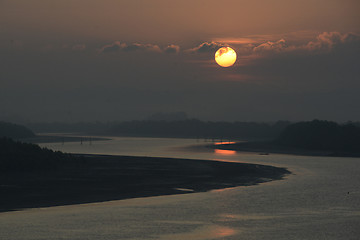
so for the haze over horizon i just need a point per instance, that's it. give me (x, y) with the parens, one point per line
(122, 60)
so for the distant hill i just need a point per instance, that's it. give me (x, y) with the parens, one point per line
(14, 130)
(321, 135)
(173, 116)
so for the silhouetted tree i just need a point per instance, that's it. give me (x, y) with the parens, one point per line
(322, 135)
(25, 157)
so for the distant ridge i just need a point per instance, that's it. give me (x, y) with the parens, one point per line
(16, 131)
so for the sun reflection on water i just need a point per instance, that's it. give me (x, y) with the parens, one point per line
(224, 152)
(223, 143)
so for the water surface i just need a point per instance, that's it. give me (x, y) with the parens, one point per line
(320, 200)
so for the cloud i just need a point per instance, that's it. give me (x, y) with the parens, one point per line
(222, 51)
(118, 46)
(172, 49)
(325, 63)
(206, 47)
(267, 84)
(324, 42)
(264, 45)
(271, 46)
(329, 40)
(113, 47)
(140, 47)
(132, 47)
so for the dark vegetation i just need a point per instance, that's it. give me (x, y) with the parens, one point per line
(322, 135)
(14, 131)
(27, 157)
(309, 138)
(34, 177)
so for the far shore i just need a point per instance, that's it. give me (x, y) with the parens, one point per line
(261, 147)
(62, 138)
(265, 148)
(98, 178)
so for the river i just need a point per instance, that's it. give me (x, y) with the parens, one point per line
(319, 200)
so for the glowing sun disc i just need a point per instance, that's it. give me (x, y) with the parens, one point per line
(225, 56)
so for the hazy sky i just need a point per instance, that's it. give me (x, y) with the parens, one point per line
(87, 60)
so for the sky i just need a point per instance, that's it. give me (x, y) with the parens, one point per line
(115, 60)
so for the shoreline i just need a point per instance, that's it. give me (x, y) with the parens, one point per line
(61, 138)
(98, 178)
(265, 148)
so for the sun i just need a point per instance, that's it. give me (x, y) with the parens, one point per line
(225, 56)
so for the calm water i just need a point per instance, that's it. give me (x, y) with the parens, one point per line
(313, 203)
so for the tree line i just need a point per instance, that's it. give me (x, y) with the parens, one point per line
(322, 135)
(17, 156)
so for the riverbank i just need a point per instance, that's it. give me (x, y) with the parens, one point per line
(265, 148)
(97, 178)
